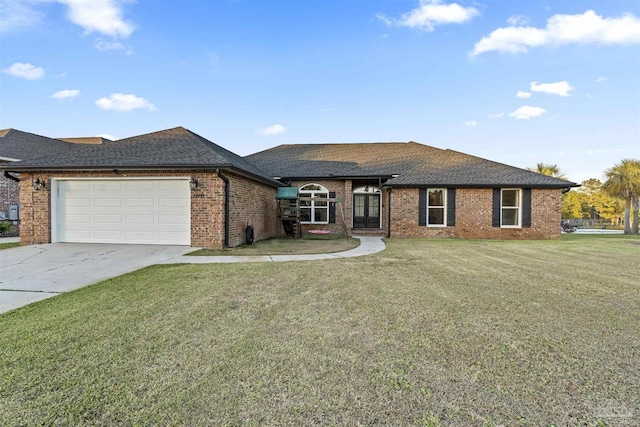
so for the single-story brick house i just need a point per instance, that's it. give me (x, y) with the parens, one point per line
(175, 187)
(414, 190)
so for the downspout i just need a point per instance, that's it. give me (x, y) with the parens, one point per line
(389, 215)
(11, 177)
(226, 207)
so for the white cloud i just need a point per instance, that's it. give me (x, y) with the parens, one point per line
(104, 45)
(496, 115)
(273, 130)
(431, 13)
(523, 95)
(100, 16)
(66, 93)
(24, 71)
(124, 102)
(471, 123)
(602, 79)
(15, 14)
(559, 88)
(526, 112)
(561, 30)
(517, 20)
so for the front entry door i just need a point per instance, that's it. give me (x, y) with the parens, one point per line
(366, 211)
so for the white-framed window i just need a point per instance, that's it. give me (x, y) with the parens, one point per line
(436, 207)
(314, 211)
(511, 208)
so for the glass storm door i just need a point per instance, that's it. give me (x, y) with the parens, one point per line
(366, 211)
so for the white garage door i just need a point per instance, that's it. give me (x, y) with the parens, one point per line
(141, 211)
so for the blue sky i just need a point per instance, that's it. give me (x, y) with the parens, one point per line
(515, 82)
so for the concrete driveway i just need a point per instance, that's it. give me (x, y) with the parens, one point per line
(34, 273)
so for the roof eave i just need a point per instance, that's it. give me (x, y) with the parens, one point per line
(300, 178)
(493, 185)
(224, 166)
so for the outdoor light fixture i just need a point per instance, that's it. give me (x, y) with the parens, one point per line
(193, 184)
(366, 189)
(39, 184)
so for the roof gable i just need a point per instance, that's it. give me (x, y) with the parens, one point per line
(171, 148)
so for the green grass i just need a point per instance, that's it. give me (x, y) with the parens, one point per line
(308, 244)
(426, 333)
(9, 245)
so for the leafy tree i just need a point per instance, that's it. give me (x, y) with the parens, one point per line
(623, 180)
(548, 170)
(589, 201)
(572, 205)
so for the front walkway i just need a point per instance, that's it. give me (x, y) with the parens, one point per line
(368, 245)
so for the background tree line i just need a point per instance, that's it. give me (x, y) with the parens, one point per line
(616, 199)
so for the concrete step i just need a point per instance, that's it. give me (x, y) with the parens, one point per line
(368, 232)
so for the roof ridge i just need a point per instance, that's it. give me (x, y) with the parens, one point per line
(510, 166)
(149, 133)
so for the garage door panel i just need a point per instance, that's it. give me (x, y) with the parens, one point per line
(79, 235)
(140, 185)
(104, 235)
(107, 219)
(78, 201)
(141, 236)
(78, 219)
(107, 186)
(171, 219)
(170, 186)
(103, 202)
(140, 219)
(139, 203)
(77, 185)
(124, 211)
(169, 203)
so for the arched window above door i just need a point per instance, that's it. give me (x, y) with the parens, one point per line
(366, 190)
(314, 211)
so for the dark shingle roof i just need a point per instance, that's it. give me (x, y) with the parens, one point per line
(415, 164)
(15, 144)
(172, 148)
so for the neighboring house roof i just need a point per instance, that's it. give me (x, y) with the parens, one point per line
(17, 145)
(414, 164)
(176, 148)
(86, 140)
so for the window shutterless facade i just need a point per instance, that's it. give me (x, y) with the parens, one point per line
(314, 211)
(511, 208)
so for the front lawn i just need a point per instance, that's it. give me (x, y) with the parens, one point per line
(426, 333)
(307, 244)
(9, 245)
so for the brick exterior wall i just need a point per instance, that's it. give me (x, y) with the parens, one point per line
(342, 188)
(251, 203)
(9, 193)
(207, 205)
(474, 212)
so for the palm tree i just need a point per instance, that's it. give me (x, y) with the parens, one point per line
(623, 180)
(548, 170)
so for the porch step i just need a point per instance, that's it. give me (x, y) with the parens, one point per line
(368, 232)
